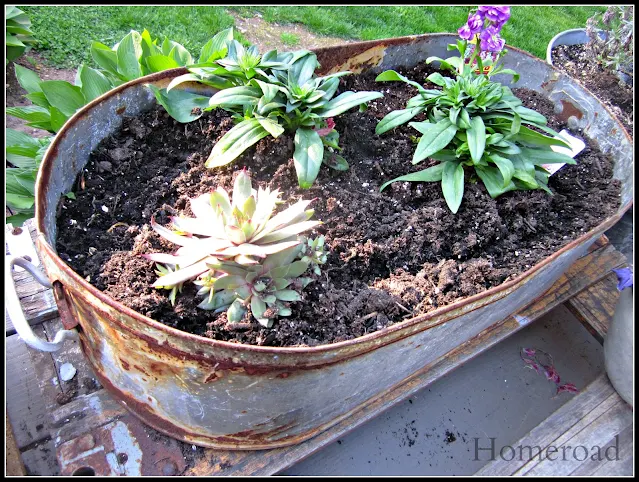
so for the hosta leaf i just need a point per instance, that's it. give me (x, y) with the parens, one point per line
(453, 184)
(38, 98)
(530, 136)
(308, 154)
(128, 53)
(57, 119)
(234, 142)
(345, 101)
(396, 118)
(180, 55)
(105, 57)
(94, 83)
(159, 62)
(493, 181)
(436, 137)
(64, 96)
(181, 105)
(431, 174)
(27, 79)
(236, 96)
(216, 48)
(546, 156)
(476, 137)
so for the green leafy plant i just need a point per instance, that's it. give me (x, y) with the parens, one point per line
(475, 124)
(240, 252)
(19, 37)
(272, 94)
(611, 38)
(289, 39)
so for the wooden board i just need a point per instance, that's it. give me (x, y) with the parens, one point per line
(597, 419)
(13, 465)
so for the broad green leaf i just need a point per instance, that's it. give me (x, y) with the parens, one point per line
(335, 161)
(216, 48)
(396, 118)
(505, 167)
(309, 151)
(476, 136)
(180, 55)
(302, 69)
(526, 178)
(158, 63)
(30, 113)
(181, 105)
(436, 137)
(391, 75)
(27, 79)
(546, 156)
(38, 98)
(234, 142)
(19, 138)
(516, 125)
(128, 54)
(453, 184)
(345, 101)
(105, 57)
(57, 118)
(236, 96)
(94, 83)
(437, 79)
(530, 115)
(530, 136)
(431, 174)
(271, 126)
(63, 96)
(493, 181)
(269, 91)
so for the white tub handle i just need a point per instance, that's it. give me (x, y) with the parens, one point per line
(15, 309)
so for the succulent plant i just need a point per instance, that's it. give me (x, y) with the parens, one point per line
(239, 253)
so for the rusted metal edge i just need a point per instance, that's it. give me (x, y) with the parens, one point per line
(495, 292)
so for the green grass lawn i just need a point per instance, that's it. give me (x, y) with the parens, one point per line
(64, 34)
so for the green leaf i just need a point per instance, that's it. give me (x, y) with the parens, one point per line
(302, 69)
(181, 105)
(105, 57)
(57, 118)
(546, 156)
(493, 181)
(437, 79)
(453, 184)
(27, 79)
(38, 98)
(530, 115)
(436, 137)
(505, 167)
(236, 96)
(158, 63)
(345, 101)
(63, 96)
(391, 76)
(396, 118)
(234, 142)
(216, 48)
(94, 83)
(431, 174)
(180, 55)
(476, 136)
(128, 54)
(309, 151)
(288, 295)
(30, 113)
(530, 136)
(271, 126)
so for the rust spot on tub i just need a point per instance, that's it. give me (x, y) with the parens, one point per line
(120, 110)
(569, 110)
(125, 364)
(139, 368)
(211, 377)
(283, 375)
(417, 346)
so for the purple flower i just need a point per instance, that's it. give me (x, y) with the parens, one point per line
(499, 15)
(475, 23)
(491, 43)
(465, 32)
(624, 275)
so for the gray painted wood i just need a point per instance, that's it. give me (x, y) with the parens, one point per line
(41, 459)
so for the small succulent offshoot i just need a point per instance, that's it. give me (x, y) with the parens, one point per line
(240, 253)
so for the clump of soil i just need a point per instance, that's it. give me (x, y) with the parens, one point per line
(393, 255)
(578, 62)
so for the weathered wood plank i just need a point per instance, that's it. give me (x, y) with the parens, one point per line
(619, 449)
(14, 465)
(41, 459)
(593, 433)
(26, 408)
(591, 401)
(595, 306)
(38, 303)
(84, 381)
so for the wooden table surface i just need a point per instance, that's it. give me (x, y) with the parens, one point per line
(75, 427)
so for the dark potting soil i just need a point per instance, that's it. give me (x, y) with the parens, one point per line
(578, 62)
(393, 255)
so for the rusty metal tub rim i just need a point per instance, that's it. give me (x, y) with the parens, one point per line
(45, 173)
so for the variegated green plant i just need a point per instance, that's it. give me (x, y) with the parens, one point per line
(241, 237)
(475, 124)
(271, 94)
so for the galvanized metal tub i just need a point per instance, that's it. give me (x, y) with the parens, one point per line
(225, 395)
